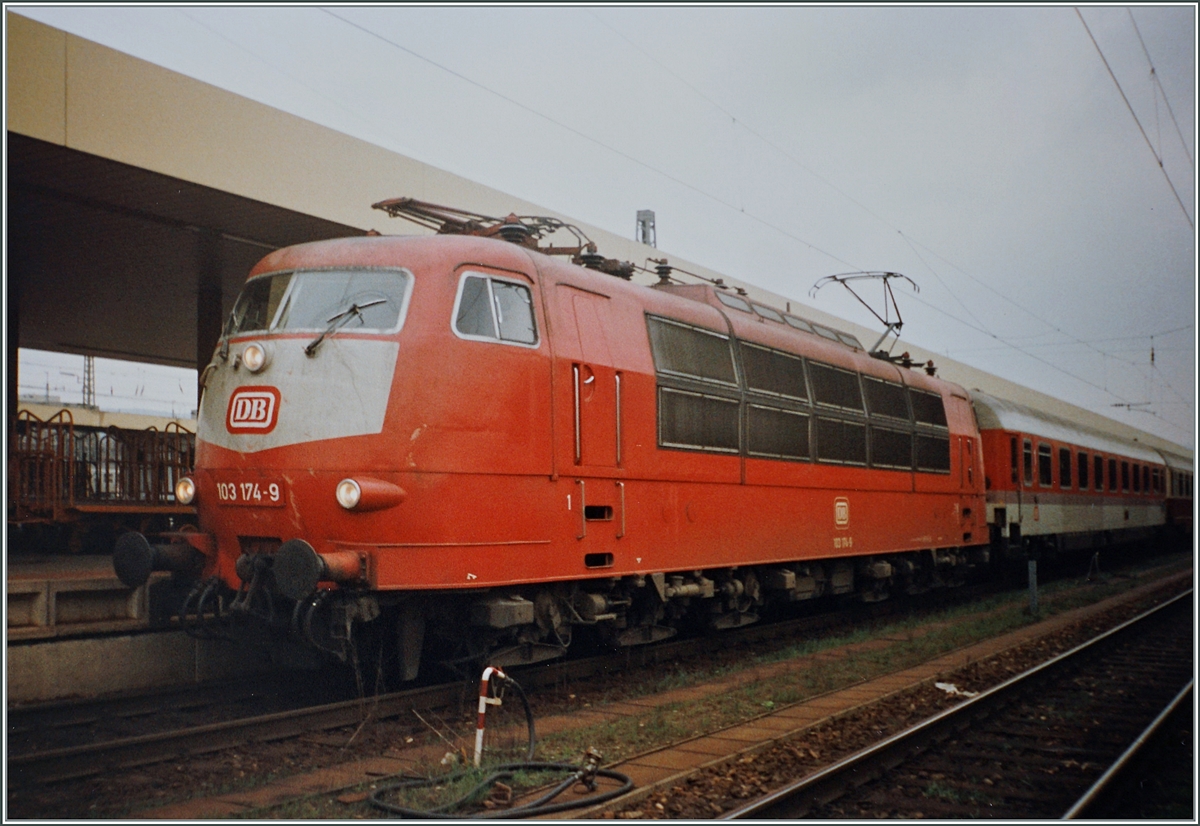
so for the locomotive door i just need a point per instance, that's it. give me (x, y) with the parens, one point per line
(592, 381)
(588, 390)
(967, 485)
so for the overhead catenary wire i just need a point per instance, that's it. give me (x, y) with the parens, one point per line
(1158, 83)
(1039, 359)
(1136, 120)
(977, 325)
(590, 139)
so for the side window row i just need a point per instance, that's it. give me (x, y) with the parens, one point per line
(790, 408)
(772, 314)
(1181, 484)
(1084, 471)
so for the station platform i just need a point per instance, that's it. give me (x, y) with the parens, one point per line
(62, 596)
(75, 630)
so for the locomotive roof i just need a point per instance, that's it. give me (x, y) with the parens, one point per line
(382, 251)
(1000, 414)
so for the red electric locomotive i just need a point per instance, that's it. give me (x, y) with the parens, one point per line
(475, 449)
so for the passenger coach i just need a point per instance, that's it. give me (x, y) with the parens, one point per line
(1054, 486)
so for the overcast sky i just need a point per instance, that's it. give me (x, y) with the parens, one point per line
(984, 152)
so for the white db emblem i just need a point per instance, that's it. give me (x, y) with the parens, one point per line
(841, 512)
(253, 410)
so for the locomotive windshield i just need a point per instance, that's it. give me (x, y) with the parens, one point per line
(311, 299)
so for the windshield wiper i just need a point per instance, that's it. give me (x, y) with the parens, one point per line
(337, 320)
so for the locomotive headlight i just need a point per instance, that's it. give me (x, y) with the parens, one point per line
(185, 491)
(254, 357)
(348, 493)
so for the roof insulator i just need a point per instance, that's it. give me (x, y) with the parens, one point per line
(514, 231)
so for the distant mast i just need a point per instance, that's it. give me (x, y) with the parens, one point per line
(644, 233)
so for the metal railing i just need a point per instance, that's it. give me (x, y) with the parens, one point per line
(55, 465)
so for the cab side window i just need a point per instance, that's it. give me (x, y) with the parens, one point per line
(495, 308)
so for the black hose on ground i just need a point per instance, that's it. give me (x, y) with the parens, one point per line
(585, 774)
(528, 714)
(541, 806)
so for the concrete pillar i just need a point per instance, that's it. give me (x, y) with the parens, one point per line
(12, 330)
(209, 297)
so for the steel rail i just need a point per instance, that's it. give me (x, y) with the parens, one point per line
(796, 799)
(82, 761)
(1119, 765)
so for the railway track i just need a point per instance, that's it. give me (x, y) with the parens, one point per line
(68, 740)
(1027, 748)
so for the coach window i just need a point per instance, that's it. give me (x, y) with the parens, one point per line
(885, 398)
(698, 396)
(1124, 477)
(835, 387)
(773, 372)
(1028, 457)
(838, 441)
(776, 434)
(826, 332)
(495, 309)
(1146, 478)
(1045, 466)
(841, 442)
(691, 352)
(1098, 467)
(1137, 479)
(772, 431)
(1083, 470)
(697, 420)
(799, 324)
(1064, 467)
(892, 448)
(1112, 474)
(734, 302)
(1012, 459)
(767, 312)
(927, 407)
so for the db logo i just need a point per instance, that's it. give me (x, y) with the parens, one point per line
(841, 512)
(253, 410)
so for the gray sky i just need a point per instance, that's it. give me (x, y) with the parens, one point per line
(984, 152)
